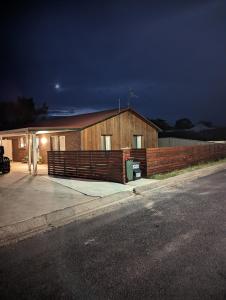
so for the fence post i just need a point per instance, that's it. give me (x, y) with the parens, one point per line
(125, 155)
(53, 161)
(64, 156)
(146, 161)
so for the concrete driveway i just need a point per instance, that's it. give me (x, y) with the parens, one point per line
(98, 188)
(23, 197)
(17, 167)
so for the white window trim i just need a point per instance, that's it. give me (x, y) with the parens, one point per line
(106, 143)
(137, 141)
(58, 142)
(22, 142)
(62, 143)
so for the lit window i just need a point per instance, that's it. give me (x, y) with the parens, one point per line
(137, 141)
(22, 142)
(62, 143)
(106, 142)
(57, 143)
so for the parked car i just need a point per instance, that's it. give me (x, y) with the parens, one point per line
(4, 162)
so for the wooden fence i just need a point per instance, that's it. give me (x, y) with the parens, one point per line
(162, 160)
(101, 165)
(110, 165)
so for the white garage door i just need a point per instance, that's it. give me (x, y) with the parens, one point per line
(8, 147)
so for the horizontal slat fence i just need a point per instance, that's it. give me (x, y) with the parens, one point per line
(166, 159)
(110, 165)
(101, 165)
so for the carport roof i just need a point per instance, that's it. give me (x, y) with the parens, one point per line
(37, 130)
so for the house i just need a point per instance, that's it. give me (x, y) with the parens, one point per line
(103, 130)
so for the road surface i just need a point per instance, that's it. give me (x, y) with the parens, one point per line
(171, 246)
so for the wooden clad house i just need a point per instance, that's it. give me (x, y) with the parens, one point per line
(104, 130)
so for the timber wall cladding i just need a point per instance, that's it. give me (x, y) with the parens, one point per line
(122, 128)
(162, 160)
(102, 165)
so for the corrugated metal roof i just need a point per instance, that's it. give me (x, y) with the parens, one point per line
(81, 121)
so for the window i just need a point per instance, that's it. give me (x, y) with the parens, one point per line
(62, 142)
(137, 141)
(57, 143)
(54, 143)
(106, 142)
(22, 142)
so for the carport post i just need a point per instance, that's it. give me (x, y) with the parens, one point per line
(29, 143)
(34, 152)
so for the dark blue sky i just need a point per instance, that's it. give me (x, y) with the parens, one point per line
(171, 53)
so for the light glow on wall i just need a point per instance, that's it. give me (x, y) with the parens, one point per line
(44, 140)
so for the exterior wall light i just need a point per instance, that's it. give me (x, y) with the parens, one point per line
(44, 140)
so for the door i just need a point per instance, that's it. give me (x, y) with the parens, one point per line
(8, 148)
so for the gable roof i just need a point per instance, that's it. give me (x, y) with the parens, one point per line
(85, 120)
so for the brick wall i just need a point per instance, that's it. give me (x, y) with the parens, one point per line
(18, 153)
(72, 142)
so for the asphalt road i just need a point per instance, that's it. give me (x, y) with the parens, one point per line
(172, 245)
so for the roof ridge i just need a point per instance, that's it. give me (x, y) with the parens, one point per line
(92, 113)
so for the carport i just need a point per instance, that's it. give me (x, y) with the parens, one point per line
(31, 145)
(31, 135)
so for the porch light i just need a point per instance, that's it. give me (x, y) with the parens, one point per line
(43, 140)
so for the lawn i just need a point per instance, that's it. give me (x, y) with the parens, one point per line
(185, 170)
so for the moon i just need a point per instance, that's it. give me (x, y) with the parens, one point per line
(57, 86)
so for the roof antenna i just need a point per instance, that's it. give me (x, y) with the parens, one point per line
(131, 94)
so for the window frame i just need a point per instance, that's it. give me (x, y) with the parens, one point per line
(135, 141)
(62, 142)
(22, 145)
(104, 142)
(54, 140)
(57, 142)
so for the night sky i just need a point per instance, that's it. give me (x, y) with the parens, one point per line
(83, 56)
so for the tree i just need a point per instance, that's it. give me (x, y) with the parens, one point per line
(20, 113)
(162, 124)
(183, 124)
(206, 123)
